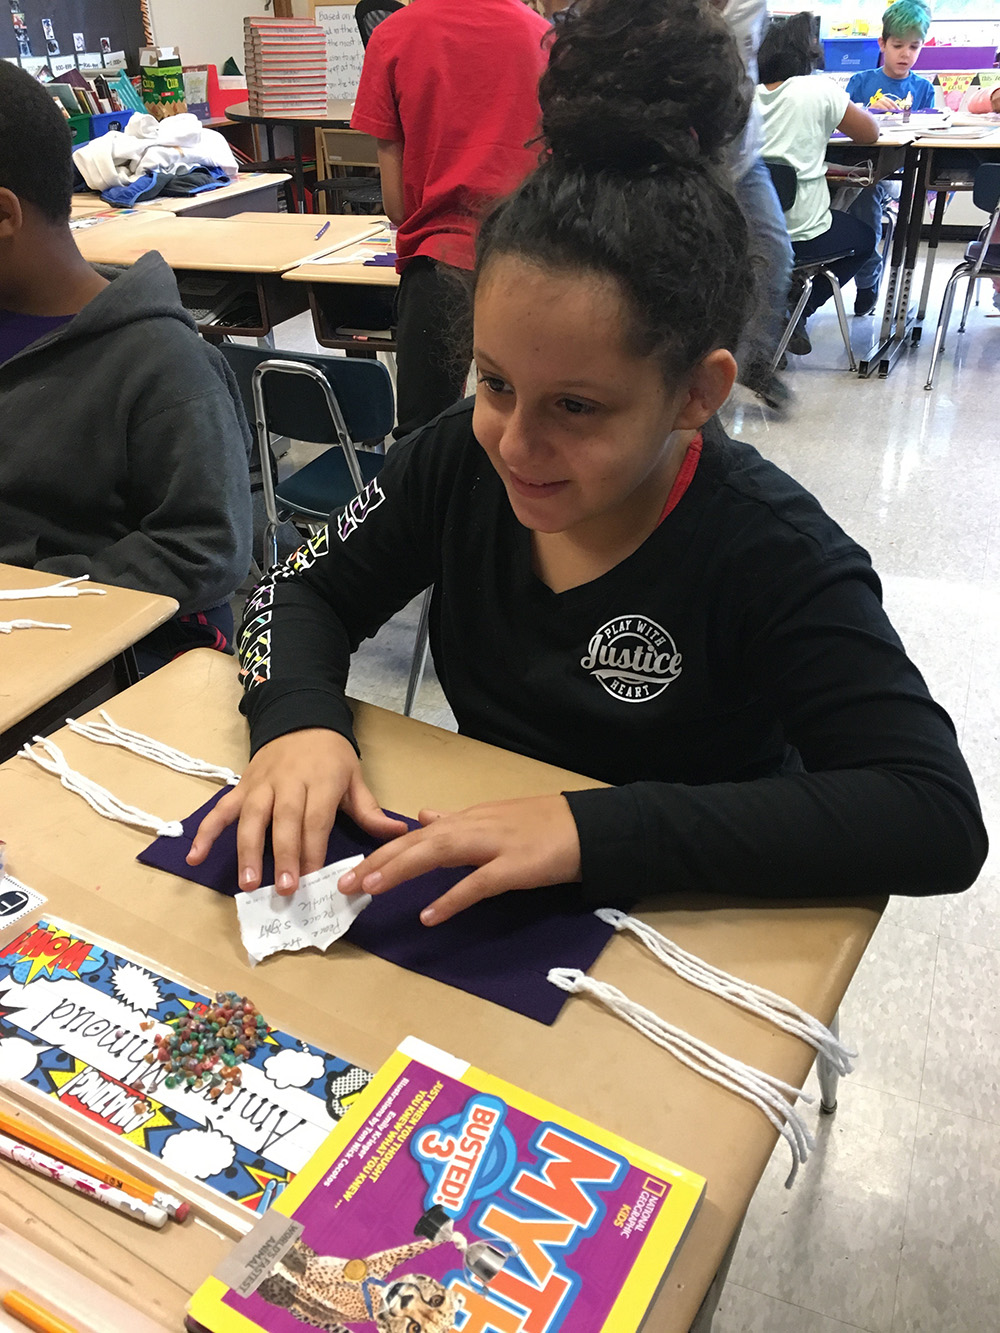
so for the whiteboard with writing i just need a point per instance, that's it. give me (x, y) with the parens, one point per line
(344, 50)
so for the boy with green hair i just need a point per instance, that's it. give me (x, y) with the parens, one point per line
(891, 87)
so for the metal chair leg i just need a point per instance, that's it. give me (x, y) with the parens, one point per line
(828, 1076)
(419, 661)
(943, 318)
(845, 331)
(973, 286)
(793, 320)
(270, 546)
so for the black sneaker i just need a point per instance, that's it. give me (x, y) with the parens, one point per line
(798, 343)
(864, 300)
(761, 380)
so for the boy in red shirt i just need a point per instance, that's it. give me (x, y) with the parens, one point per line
(450, 91)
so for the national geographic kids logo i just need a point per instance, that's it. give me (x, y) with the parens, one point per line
(633, 658)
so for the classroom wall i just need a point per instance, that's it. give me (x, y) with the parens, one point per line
(207, 31)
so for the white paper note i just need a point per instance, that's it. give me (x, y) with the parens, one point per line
(315, 915)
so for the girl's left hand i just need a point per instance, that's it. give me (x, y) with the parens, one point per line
(522, 844)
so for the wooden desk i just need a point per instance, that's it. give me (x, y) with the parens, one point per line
(259, 246)
(347, 269)
(252, 189)
(349, 295)
(40, 666)
(361, 1006)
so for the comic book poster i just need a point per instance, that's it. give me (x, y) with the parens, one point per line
(77, 1021)
(449, 1201)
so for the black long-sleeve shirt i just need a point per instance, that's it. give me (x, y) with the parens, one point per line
(736, 678)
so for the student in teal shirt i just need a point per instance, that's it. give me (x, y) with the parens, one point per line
(904, 27)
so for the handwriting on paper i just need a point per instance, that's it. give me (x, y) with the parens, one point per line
(313, 917)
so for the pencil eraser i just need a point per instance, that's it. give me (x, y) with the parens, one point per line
(181, 1211)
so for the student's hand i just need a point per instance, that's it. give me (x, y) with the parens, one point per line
(296, 784)
(883, 102)
(522, 844)
(995, 99)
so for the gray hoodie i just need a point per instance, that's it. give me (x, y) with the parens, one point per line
(124, 448)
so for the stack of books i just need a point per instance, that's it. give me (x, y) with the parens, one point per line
(285, 66)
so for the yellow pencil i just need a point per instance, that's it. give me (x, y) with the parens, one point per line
(72, 1156)
(33, 1315)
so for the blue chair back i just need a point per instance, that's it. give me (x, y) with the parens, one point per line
(986, 186)
(785, 181)
(296, 406)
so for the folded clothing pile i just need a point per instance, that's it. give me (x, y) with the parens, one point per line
(148, 146)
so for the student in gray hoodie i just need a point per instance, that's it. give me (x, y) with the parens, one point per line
(123, 443)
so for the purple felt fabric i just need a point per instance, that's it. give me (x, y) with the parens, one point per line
(501, 949)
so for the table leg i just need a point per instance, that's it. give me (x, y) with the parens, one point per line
(896, 313)
(937, 221)
(300, 168)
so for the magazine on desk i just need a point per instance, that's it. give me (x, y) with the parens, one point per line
(449, 1201)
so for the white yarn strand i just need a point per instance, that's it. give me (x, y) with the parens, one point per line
(8, 626)
(765, 1091)
(65, 588)
(98, 798)
(109, 732)
(754, 999)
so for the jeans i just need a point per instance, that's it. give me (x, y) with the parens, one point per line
(867, 208)
(430, 370)
(771, 255)
(844, 233)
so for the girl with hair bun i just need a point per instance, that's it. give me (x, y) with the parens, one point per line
(620, 589)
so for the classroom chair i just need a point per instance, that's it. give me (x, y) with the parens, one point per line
(982, 258)
(368, 14)
(786, 184)
(329, 400)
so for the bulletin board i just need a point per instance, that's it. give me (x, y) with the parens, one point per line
(103, 26)
(345, 52)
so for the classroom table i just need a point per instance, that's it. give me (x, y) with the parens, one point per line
(900, 319)
(338, 116)
(38, 667)
(258, 247)
(360, 1006)
(251, 189)
(344, 294)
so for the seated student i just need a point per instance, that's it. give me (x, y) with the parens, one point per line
(125, 447)
(892, 88)
(620, 589)
(450, 91)
(801, 110)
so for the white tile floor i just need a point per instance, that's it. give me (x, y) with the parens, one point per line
(894, 1225)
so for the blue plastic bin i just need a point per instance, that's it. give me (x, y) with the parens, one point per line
(846, 55)
(108, 120)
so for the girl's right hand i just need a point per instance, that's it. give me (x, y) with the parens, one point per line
(296, 784)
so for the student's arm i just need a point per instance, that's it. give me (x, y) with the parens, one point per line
(858, 125)
(187, 503)
(984, 100)
(886, 804)
(300, 626)
(390, 165)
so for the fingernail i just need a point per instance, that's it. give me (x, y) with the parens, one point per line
(192, 853)
(285, 882)
(428, 916)
(372, 881)
(347, 881)
(247, 877)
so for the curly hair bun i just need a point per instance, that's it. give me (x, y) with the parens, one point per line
(633, 86)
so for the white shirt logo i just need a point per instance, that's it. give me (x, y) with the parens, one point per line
(633, 658)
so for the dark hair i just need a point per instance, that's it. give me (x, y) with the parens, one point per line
(36, 159)
(788, 50)
(639, 101)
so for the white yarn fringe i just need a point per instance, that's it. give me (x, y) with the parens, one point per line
(103, 802)
(755, 999)
(65, 588)
(7, 626)
(109, 732)
(768, 1093)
